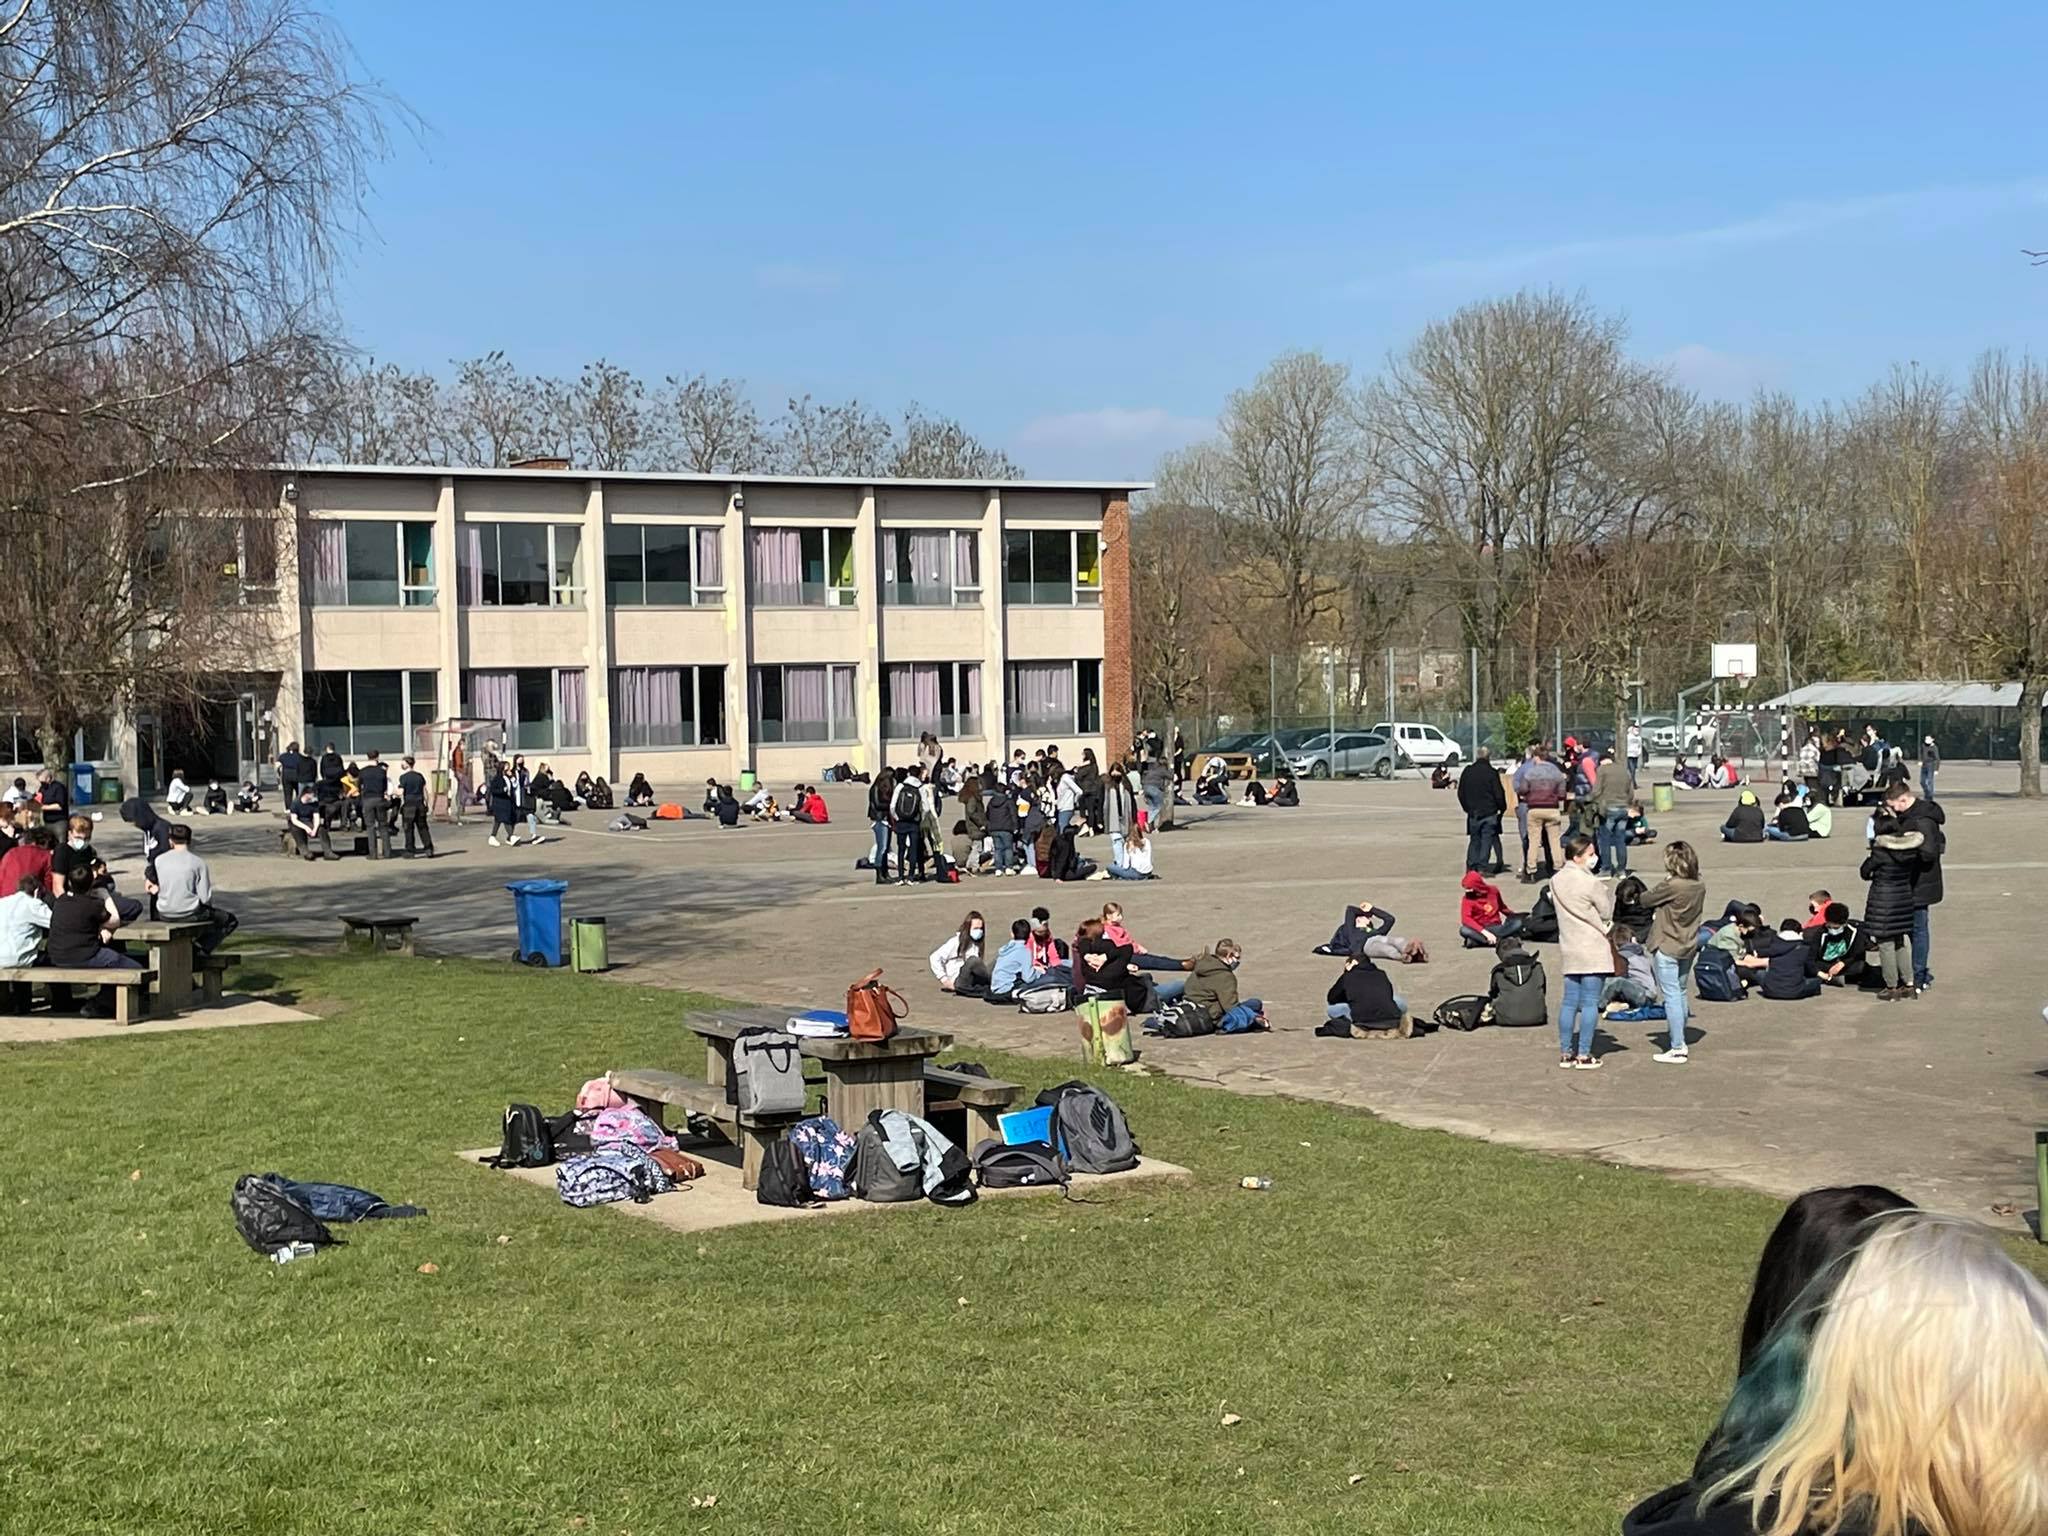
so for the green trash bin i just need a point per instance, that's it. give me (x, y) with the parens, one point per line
(747, 781)
(587, 949)
(1661, 797)
(109, 791)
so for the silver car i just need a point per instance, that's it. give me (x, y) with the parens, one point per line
(1352, 755)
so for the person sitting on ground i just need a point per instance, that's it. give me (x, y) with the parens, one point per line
(1062, 862)
(1631, 905)
(1745, 823)
(1638, 988)
(184, 892)
(1020, 966)
(1817, 903)
(1362, 921)
(711, 793)
(1837, 947)
(1440, 776)
(1137, 860)
(1789, 825)
(1212, 988)
(1739, 922)
(1285, 791)
(216, 799)
(1639, 829)
(810, 807)
(600, 796)
(1046, 949)
(958, 962)
(1902, 1394)
(1517, 997)
(307, 822)
(641, 793)
(1484, 918)
(1103, 965)
(1213, 786)
(726, 807)
(249, 799)
(178, 794)
(1820, 820)
(1254, 793)
(1685, 776)
(1722, 775)
(1142, 958)
(1361, 1004)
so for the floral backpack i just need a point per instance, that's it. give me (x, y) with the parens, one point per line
(827, 1153)
(631, 1125)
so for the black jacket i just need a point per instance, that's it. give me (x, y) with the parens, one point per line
(330, 767)
(373, 781)
(1516, 991)
(1349, 939)
(1480, 792)
(1364, 987)
(1114, 977)
(1930, 821)
(1890, 866)
(1745, 823)
(1675, 1512)
(999, 806)
(1791, 966)
(880, 793)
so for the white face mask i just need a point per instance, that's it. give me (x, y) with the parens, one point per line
(974, 934)
(78, 842)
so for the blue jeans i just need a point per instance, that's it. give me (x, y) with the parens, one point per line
(1633, 764)
(1506, 928)
(1239, 1019)
(881, 855)
(1581, 1007)
(1923, 944)
(1170, 991)
(909, 848)
(1481, 832)
(1780, 835)
(1671, 982)
(1119, 872)
(1062, 820)
(1927, 783)
(1156, 963)
(1116, 847)
(1611, 835)
(1006, 858)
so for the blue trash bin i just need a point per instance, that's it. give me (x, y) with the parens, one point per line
(537, 913)
(84, 781)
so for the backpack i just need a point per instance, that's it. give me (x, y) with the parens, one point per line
(1539, 924)
(1714, 977)
(827, 1152)
(1464, 1012)
(767, 1073)
(1105, 1032)
(1043, 1000)
(1518, 997)
(629, 1125)
(1181, 1020)
(907, 804)
(1027, 1165)
(782, 1179)
(526, 1142)
(875, 1176)
(619, 1172)
(269, 1219)
(1090, 1131)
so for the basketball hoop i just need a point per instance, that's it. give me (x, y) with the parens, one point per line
(1740, 677)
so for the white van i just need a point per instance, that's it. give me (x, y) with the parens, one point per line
(1419, 743)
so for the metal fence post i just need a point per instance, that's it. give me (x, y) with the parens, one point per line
(1557, 696)
(1474, 668)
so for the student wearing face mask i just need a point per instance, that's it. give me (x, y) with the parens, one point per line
(960, 962)
(1212, 987)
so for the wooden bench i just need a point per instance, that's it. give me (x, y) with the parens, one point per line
(212, 971)
(655, 1091)
(379, 929)
(978, 1100)
(131, 988)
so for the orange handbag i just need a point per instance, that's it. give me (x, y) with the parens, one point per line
(873, 1010)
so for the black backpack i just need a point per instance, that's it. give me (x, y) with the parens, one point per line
(1540, 925)
(906, 806)
(526, 1142)
(1714, 977)
(783, 1179)
(1182, 1020)
(1464, 1012)
(270, 1219)
(1027, 1165)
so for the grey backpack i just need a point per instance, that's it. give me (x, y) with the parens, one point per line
(1044, 1000)
(874, 1176)
(767, 1074)
(1089, 1130)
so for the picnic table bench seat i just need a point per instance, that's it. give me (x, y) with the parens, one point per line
(397, 926)
(213, 971)
(655, 1091)
(976, 1099)
(131, 988)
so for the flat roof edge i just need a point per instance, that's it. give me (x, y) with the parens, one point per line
(693, 477)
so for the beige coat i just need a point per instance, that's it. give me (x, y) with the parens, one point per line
(1585, 911)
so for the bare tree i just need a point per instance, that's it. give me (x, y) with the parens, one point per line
(602, 420)
(939, 448)
(494, 414)
(175, 179)
(709, 425)
(358, 412)
(817, 439)
(1904, 432)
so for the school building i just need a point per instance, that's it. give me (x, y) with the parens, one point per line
(679, 625)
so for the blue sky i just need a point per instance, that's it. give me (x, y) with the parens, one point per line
(1079, 227)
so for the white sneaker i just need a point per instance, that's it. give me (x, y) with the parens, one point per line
(512, 842)
(535, 841)
(1672, 1058)
(494, 842)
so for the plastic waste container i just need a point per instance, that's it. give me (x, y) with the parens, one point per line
(587, 946)
(1661, 797)
(747, 781)
(82, 777)
(537, 914)
(109, 791)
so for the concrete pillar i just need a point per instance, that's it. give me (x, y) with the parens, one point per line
(739, 637)
(1118, 691)
(597, 652)
(867, 581)
(447, 607)
(288, 714)
(995, 649)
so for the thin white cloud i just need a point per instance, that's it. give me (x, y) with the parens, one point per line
(1114, 440)
(1788, 222)
(1715, 374)
(796, 277)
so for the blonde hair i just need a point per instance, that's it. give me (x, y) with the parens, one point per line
(1923, 1404)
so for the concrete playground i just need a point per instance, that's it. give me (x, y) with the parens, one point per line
(1940, 1097)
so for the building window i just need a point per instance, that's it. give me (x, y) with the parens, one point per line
(542, 707)
(1052, 567)
(668, 707)
(661, 565)
(358, 711)
(91, 743)
(1053, 698)
(355, 563)
(520, 565)
(801, 567)
(814, 703)
(936, 569)
(943, 697)
(423, 697)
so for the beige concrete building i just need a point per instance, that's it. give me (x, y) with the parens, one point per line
(677, 625)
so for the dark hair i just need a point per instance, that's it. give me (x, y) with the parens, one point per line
(1021, 928)
(1807, 1252)
(1091, 928)
(1575, 845)
(78, 879)
(1040, 915)
(42, 837)
(180, 833)
(28, 885)
(1835, 912)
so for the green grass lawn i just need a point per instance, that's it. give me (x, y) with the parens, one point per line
(1490, 1341)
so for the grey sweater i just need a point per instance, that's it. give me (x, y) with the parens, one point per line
(183, 883)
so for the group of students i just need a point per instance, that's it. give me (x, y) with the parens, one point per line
(178, 796)
(1841, 768)
(1362, 1003)
(1212, 787)
(1796, 815)
(366, 796)
(1574, 790)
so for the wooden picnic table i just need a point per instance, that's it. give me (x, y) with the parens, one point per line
(170, 956)
(861, 1076)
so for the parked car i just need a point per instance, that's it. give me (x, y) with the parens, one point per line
(1253, 752)
(1423, 744)
(1352, 755)
(1660, 733)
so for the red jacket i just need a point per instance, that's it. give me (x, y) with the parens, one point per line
(815, 804)
(1481, 906)
(21, 861)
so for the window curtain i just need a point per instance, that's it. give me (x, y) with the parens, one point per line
(1043, 694)
(710, 557)
(469, 565)
(928, 567)
(803, 704)
(779, 568)
(327, 560)
(842, 703)
(970, 684)
(924, 697)
(569, 729)
(896, 698)
(966, 560)
(648, 704)
(890, 550)
(495, 696)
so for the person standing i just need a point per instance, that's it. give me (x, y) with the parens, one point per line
(880, 793)
(1585, 913)
(1633, 738)
(524, 806)
(1930, 764)
(906, 810)
(1119, 809)
(1675, 904)
(1066, 800)
(1542, 790)
(1484, 802)
(292, 771)
(1613, 791)
(373, 793)
(412, 808)
(1931, 822)
(1888, 909)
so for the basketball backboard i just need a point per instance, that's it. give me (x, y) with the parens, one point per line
(1735, 661)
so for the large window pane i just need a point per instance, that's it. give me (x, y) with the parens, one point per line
(259, 551)
(372, 564)
(326, 709)
(711, 706)
(1089, 674)
(624, 576)
(522, 565)
(1016, 567)
(567, 587)
(425, 702)
(1052, 566)
(668, 564)
(536, 709)
(768, 703)
(1088, 565)
(379, 710)
(418, 571)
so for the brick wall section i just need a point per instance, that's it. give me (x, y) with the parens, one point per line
(1118, 686)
